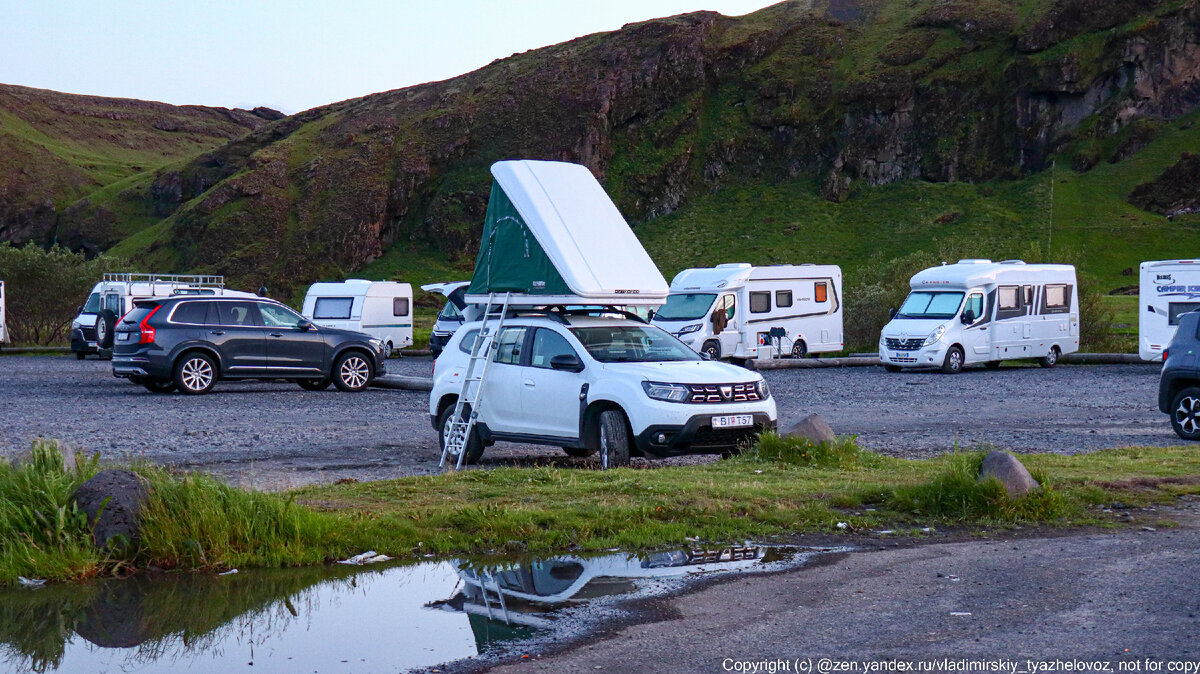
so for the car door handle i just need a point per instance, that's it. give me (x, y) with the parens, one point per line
(216, 332)
(276, 334)
(530, 384)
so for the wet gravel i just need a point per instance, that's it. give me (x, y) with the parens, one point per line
(275, 435)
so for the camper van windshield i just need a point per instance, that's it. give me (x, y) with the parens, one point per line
(685, 306)
(930, 305)
(632, 344)
(93, 304)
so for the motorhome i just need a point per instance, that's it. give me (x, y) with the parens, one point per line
(979, 311)
(382, 309)
(1167, 290)
(450, 318)
(114, 295)
(3, 316)
(738, 311)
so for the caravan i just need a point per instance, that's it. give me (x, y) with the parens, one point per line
(381, 309)
(979, 311)
(1167, 290)
(738, 311)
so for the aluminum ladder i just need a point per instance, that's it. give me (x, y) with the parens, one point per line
(484, 577)
(483, 352)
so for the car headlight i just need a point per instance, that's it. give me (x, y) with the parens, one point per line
(691, 328)
(764, 391)
(378, 344)
(935, 335)
(675, 393)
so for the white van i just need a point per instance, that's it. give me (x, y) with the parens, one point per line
(1167, 290)
(979, 311)
(739, 311)
(381, 309)
(450, 318)
(3, 324)
(114, 295)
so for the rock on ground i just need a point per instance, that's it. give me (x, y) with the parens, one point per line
(812, 427)
(113, 501)
(1010, 471)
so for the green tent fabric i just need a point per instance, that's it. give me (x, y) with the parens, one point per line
(510, 257)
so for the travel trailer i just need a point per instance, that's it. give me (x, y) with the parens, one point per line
(740, 312)
(1167, 290)
(979, 311)
(114, 295)
(3, 316)
(381, 309)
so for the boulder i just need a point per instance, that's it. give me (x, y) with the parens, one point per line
(113, 501)
(1010, 471)
(812, 427)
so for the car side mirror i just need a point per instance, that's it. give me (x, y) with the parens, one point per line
(567, 362)
(79, 309)
(305, 325)
(891, 313)
(705, 356)
(968, 317)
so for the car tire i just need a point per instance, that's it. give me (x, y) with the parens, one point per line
(614, 439)
(314, 384)
(992, 365)
(352, 372)
(579, 452)
(712, 348)
(1050, 359)
(391, 350)
(195, 373)
(474, 449)
(799, 349)
(1185, 413)
(106, 321)
(953, 364)
(158, 385)
(888, 367)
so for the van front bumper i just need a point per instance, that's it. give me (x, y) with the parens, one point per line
(697, 436)
(81, 344)
(926, 356)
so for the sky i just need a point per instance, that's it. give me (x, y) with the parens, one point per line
(290, 56)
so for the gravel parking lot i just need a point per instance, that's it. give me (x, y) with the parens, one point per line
(274, 435)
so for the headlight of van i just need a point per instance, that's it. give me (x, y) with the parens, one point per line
(935, 335)
(675, 393)
(691, 328)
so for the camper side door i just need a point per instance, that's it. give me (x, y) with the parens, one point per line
(731, 334)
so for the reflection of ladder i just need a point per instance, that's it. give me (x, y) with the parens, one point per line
(484, 577)
(471, 395)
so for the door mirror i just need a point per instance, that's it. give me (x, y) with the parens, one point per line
(891, 314)
(305, 325)
(704, 355)
(567, 362)
(968, 317)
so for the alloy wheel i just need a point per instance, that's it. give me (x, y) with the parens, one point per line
(1187, 415)
(197, 374)
(355, 371)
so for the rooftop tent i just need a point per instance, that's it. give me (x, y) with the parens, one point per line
(553, 236)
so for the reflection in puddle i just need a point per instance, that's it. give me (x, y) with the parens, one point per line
(334, 619)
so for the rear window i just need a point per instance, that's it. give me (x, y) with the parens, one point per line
(192, 313)
(139, 312)
(400, 306)
(468, 341)
(1177, 309)
(333, 307)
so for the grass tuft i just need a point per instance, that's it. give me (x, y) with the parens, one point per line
(958, 495)
(843, 452)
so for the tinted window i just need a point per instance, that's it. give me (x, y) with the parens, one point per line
(400, 306)
(93, 304)
(1177, 309)
(783, 298)
(237, 314)
(276, 316)
(333, 307)
(139, 312)
(546, 345)
(511, 340)
(192, 313)
(468, 341)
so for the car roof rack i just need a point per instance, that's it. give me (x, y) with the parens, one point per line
(195, 280)
(603, 309)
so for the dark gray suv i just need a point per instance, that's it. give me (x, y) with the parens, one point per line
(1179, 382)
(189, 343)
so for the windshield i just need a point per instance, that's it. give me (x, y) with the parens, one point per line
(924, 304)
(451, 312)
(93, 304)
(685, 306)
(632, 344)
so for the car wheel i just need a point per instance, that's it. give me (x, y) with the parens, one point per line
(473, 450)
(195, 373)
(314, 384)
(953, 364)
(712, 349)
(158, 385)
(579, 452)
(799, 349)
(352, 372)
(105, 323)
(614, 439)
(1185, 413)
(992, 365)
(891, 368)
(1050, 359)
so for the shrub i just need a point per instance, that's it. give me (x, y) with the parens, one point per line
(45, 287)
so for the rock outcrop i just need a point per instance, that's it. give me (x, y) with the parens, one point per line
(113, 500)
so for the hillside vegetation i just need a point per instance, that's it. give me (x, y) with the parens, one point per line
(846, 131)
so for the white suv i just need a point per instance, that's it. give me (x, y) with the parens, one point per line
(590, 383)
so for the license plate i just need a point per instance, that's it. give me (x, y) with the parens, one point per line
(901, 354)
(733, 421)
(124, 336)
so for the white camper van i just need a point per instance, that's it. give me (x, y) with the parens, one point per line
(382, 309)
(979, 311)
(1168, 289)
(739, 311)
(3, 324)
(114, 295)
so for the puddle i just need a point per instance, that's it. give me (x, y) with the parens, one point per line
(343, 619)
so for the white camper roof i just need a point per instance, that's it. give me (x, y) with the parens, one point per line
(356, 287)
(736, 274)
(582, 232)
(1155, 264)
(973, 273)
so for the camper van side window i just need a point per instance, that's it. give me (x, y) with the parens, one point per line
(821, 292)
(760, 302)
(1009, 302)
(783, 298)
(400, 306)
(333, 308)
(1057, 299)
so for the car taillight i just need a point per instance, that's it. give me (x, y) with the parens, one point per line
(1164, 355)
(147, 329)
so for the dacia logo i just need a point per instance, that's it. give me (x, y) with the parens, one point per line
(727, 392)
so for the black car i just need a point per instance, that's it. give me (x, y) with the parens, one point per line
(188, 344)
(1179, 383)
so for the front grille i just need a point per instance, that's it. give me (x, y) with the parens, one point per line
(709, 437)
(904, 344)
(723, 393)
(894, 359)
(89, 332)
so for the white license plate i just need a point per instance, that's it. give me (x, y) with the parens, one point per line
(733, 421)
(124, 336)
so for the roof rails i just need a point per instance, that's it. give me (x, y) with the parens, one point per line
(200, 280)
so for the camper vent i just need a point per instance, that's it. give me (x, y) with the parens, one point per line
(1013, 262)
(975, 261)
